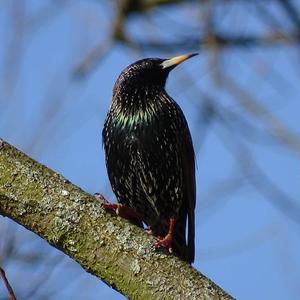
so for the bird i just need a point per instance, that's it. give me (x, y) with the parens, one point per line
(150, 157)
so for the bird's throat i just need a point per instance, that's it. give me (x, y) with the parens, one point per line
(139, 107)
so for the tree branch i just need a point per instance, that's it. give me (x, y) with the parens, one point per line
(10, 290)
(106, 246)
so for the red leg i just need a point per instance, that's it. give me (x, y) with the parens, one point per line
(119, 209)
(166, 242)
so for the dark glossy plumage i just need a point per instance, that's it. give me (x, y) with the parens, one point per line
(149, 153)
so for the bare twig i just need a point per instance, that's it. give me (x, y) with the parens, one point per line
(7, 284)
(255, 108)
(291, 11)
(92, 59)
(258, 178)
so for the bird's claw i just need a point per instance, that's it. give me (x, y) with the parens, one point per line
(166, 243)
(119, 209)
(149, 231)
(100, 197)
(106, 205)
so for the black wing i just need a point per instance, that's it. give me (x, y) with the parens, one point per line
(166, 170)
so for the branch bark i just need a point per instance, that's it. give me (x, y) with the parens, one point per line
(106, 246)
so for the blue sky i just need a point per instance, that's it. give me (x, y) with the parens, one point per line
(245, 242)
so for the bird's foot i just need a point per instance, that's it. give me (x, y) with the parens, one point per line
(101, 198)
(119, 209)
(149, 231)
(165, 242)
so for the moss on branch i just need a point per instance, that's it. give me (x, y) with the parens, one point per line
(106, 246)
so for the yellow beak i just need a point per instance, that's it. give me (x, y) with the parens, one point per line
(173, 62)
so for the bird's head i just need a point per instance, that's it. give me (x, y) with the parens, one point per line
(149, 72)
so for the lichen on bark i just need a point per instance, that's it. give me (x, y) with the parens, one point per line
(107, 246)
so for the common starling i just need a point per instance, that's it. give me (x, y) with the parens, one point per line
(150, 155)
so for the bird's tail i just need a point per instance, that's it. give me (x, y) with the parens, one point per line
(191, 236)
(182, 248)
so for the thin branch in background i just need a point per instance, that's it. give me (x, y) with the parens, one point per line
(245, 129)
(291, 11)
(266, 187)
(92, 59)
(240, 246)
(123, 8)
(212, 40)
(8, 244)
(43, 276)
(48, 115)
(289, 266)
(272, 23)
(255, 108)
(46, 14)
(222, 40)
(215, 53)
(210, 109)
(222, 189)
(14, 49)
(7, 285)
(257, 177)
